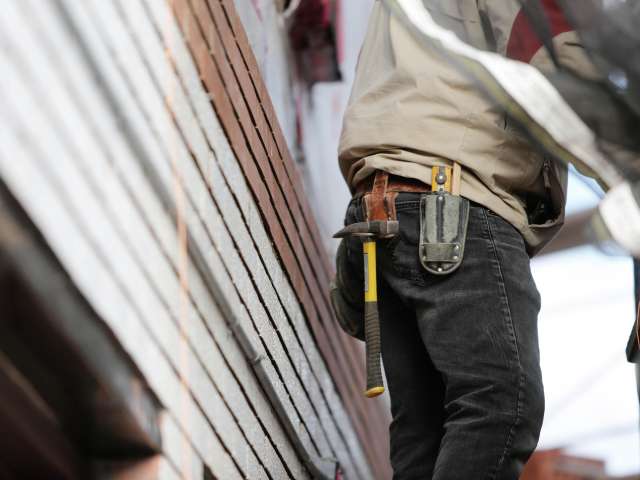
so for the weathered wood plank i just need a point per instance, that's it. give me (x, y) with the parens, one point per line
(191, 177)
(239, 238)
(190, 324)
(142, 344)
(220, 191)
(342, 350)
(240, 234)
(265, 103)
(186, 168)
(240, 190)
(220, 37)
(79, 188)
(136, 233)
(96, 283)
(156, 217)
(341, 345)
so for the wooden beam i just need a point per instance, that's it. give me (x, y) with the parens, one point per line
(57, 341)
(32, 443)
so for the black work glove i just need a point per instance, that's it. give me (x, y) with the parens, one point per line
(347, 291)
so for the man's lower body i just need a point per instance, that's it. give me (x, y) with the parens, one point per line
(460, 351)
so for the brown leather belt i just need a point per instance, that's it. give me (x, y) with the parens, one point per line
(379, 192)
(395, 183)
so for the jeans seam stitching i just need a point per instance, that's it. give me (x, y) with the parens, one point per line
(505, 299)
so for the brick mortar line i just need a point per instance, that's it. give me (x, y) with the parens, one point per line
(269, 113)
(320, 390)
(266, 210)
(286, 263)
(263, 123)
(301, 242)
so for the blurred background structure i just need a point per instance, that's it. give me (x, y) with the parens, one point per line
(168, 190)
(588, 308)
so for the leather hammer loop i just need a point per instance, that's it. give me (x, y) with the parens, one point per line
(380, 192)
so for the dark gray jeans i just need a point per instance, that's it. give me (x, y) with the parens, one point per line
(460, 352)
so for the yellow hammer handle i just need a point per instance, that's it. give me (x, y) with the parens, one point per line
(375, 385)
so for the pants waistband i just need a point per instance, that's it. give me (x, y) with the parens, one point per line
(396, 184)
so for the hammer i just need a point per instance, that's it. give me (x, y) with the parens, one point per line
(368, 233)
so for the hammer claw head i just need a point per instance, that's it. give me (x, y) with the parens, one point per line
(375, 228)
(355, 229)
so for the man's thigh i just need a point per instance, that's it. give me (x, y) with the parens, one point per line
(479, 327)
(415, 388)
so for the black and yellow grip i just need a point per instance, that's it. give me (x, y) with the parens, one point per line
(375, 385)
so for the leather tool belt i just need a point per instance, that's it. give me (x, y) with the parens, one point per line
(395, 183)
(444, 214)
(380, 192)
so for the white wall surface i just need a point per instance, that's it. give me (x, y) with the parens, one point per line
(586, 318)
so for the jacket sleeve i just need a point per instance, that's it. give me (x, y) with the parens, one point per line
(516, 38)
(509, 27)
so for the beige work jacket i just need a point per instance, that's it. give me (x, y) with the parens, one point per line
(410, 109)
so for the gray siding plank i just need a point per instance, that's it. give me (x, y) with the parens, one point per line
(186, 167)
(79, 186)
(132, 224)
(276, 430)
(189, 326)
(233, 219)
(138, 342)
(93, 279)
(244, 200)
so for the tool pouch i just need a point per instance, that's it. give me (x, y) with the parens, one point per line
(443, 231)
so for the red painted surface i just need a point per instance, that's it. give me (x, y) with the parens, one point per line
(524, 42)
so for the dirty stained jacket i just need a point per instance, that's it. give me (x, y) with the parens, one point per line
(410, 109)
